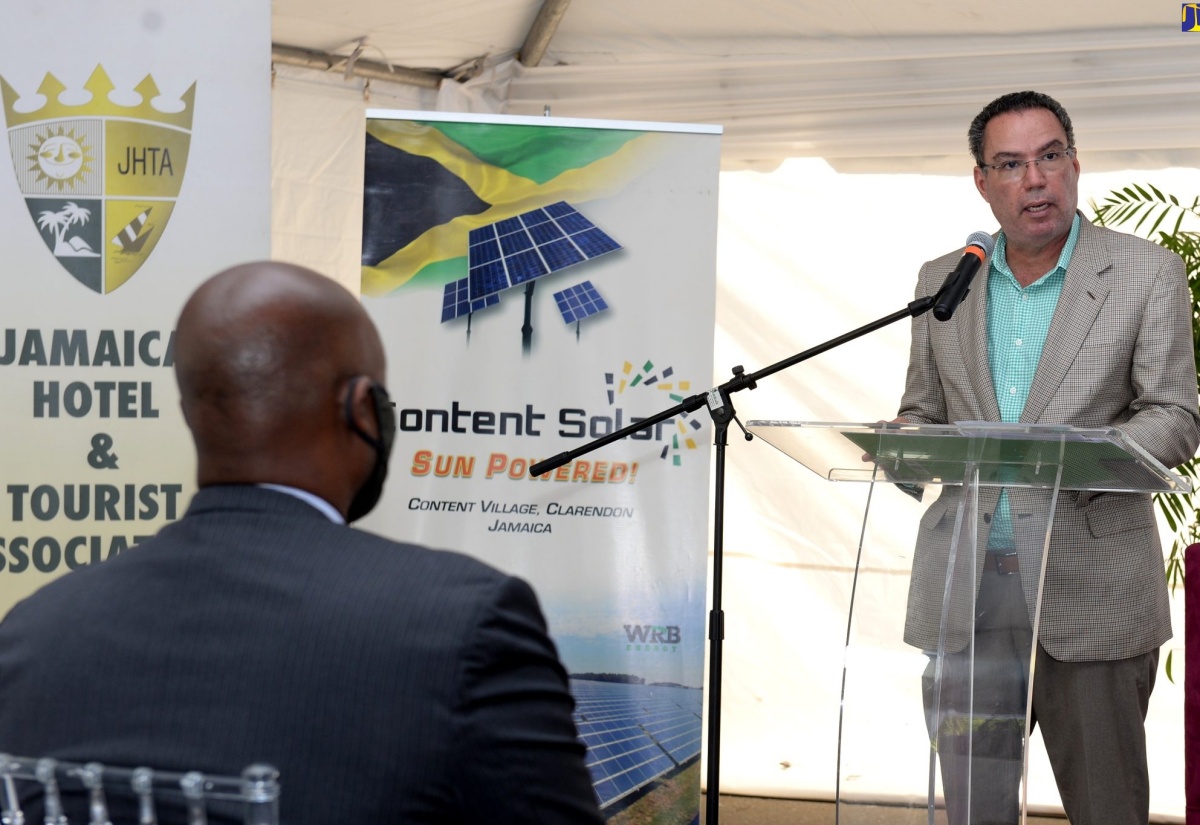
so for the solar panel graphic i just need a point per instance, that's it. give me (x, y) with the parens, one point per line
(579, 302)
(635, 733)
(510, 252)
(456, 304)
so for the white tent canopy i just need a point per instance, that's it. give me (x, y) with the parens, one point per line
(872, 85)
(804, 253)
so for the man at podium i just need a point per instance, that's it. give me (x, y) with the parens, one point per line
(1072, 324)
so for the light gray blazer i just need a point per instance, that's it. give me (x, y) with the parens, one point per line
(1119, 353)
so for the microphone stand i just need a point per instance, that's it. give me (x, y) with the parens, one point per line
(720, 408)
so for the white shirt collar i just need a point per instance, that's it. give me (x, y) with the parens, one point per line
(321, 504)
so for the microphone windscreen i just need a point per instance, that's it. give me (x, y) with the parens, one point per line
(982, 240)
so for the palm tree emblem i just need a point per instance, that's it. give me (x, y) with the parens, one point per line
(61, 221)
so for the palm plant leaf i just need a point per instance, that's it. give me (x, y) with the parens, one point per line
(1161, 218)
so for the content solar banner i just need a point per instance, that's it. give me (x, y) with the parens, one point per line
(137, 165)
(540, 283)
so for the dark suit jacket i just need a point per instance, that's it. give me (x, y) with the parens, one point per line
(1118, 353)
(387, 682)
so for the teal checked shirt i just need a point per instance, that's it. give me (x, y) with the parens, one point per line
(1018, 319)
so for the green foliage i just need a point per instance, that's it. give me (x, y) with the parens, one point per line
(1146, 211)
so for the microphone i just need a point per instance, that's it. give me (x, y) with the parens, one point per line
(958, 283)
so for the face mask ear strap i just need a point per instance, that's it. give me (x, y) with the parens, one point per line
(349, 413)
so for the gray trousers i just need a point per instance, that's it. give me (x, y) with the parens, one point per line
(1092, 716)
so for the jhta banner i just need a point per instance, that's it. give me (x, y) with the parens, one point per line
(137, 166)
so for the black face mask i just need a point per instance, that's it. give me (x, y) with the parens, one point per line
(385, 413)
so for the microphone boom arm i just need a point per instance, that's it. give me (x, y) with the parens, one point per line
(717, 399)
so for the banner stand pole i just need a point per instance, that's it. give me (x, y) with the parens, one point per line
(720, 409)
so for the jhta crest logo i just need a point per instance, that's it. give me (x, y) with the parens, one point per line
(100, 170)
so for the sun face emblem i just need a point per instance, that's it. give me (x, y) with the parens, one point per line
(60, 158)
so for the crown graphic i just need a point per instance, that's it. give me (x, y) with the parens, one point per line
(99, 86)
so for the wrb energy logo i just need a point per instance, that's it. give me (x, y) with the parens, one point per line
(100, 170)
(650, 637)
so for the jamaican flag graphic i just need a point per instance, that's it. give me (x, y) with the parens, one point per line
(427, 184)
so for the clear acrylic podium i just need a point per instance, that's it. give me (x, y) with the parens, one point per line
(946, 599)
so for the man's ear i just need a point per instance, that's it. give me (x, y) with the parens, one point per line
(359, 409)
(981, 183)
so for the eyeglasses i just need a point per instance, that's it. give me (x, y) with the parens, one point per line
(1051, 162)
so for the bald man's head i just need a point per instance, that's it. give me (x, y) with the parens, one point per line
(265, 353)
